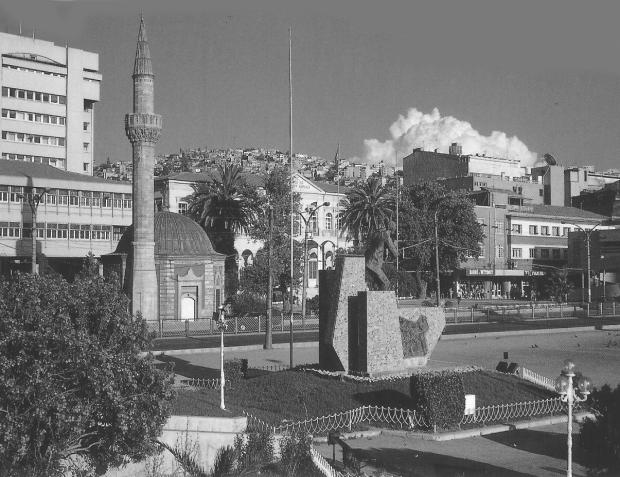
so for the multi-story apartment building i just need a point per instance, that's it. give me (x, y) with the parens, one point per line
(521, 244)
(77, 214)
(48, 95)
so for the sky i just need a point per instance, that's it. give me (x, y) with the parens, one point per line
(503, 78)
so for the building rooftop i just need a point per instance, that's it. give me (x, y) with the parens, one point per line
(31, 170)
(251, 179)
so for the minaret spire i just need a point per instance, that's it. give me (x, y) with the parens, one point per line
(143, 128)
(142, 64)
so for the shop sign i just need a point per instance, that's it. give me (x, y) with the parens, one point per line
(479, 272)
(534, 273)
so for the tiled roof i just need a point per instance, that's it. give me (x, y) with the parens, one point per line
(329, 187)
(33, 170)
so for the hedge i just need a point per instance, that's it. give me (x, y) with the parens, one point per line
(440, 397)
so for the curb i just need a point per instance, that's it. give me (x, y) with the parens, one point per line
(491, 334)
(464, 434)
(258, 347)
(345, 436)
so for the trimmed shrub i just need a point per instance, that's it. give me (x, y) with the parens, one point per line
(440, 397)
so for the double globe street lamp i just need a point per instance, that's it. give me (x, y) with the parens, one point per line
(573, 388)
(221, 325)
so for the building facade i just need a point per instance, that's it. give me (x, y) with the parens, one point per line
(47, 102)
(78, 214)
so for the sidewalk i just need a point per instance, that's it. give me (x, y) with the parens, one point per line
(539, 450)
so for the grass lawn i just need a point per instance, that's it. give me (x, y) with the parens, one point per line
(296, 395)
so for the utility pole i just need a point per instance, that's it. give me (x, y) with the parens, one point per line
(34, 200)
(438, 302)
(268, 337)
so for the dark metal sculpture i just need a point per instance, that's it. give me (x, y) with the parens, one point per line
(375, 253)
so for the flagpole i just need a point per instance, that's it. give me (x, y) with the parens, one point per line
(397, 197)
(337, 200)
(290, 153)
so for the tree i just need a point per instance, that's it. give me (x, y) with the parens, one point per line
(457, 228)
(74, 381)
(370, 206)
(277, 195)
(600, 437)
(557, 285)
(225, 206)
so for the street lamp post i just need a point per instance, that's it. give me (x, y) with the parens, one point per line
(33, 201)
(221, 325)
(571, 392)
(603, 264)
(588, 234)
(437, 259)
(268, 337)
(311, 213)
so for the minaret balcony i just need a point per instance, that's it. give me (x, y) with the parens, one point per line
(143, 127)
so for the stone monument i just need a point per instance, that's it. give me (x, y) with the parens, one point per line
(368, 332)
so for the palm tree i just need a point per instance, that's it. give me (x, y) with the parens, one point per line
(370, 206)
(224, 206)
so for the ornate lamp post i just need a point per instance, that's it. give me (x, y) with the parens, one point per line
(34, 200)
(221, 325)
(571, 392)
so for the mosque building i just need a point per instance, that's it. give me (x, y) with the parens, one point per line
(165, 261)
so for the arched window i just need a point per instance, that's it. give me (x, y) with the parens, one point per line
(328, 221)
(313, 266)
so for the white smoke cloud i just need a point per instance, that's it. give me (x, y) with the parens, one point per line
(432, 131)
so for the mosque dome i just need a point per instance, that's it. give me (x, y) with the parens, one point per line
(175, 235)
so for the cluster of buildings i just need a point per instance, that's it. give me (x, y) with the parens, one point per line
(535, 219)
(530, 221)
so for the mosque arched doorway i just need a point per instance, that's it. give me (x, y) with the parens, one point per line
(188, 307)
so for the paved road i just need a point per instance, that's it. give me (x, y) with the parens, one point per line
(299, 336)
(596, 353)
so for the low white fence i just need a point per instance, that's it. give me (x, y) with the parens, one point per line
(321, 463)
(408, 419)
(539, 379)
(403, 418)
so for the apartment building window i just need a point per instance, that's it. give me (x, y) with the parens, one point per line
(532, 253)
(33, 95)
(96, 200)
(51, 197)
(517, 252)
(118, 200)
(107, 200)
(33, 117)
(52, 161)
(86, 125)
(85, 198)
(74, 231)
(85, 232)
(51, 231)
(544, 253)
(9, 229)
(85, 166)
(500, 251)
(33, 138)
(555, 231)
(544, 230)
(127, 202)
(565, 231)
(533, 229)
(74, 199)
(328, 221)
(85, 147)
(100, 232)
(40, 229)
(4, 193)
(516, 228)
(16, 194)
(117, 232)
(556, 254)
(183, 208)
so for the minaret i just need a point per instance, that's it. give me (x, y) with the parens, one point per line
(143, 129)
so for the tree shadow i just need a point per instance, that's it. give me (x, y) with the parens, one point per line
(188, 370)
(550, 444)
(384, 397)
(413, 463)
